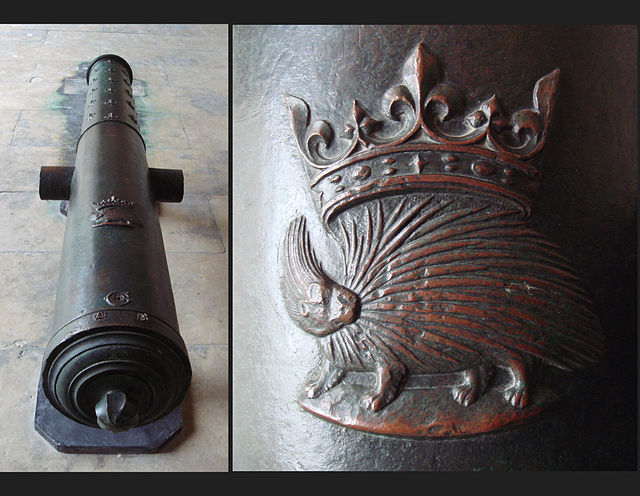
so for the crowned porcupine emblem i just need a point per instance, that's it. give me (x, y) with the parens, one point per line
(440, 273)
(114, 212)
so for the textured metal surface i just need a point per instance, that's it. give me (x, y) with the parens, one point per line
(116, 359)
(582, 205)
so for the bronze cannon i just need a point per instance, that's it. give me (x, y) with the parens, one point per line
(116, 360)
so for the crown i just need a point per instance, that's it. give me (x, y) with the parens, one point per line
(112, 202)
(428, 139)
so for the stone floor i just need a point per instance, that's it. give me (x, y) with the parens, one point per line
(180, 89)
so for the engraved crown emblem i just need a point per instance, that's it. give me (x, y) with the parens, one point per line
(428, 139)
(113, 211)
(112, 201)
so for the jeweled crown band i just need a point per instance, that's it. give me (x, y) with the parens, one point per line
(443, 168)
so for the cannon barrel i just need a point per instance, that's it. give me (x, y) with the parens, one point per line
(116, 359)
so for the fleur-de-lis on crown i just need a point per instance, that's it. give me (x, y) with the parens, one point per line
(423, 109)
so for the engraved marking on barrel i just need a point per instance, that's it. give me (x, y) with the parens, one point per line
(113, 211)
(99, 315)
(142, 316)
(117, 298)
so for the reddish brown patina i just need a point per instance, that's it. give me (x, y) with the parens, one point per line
(447, 300)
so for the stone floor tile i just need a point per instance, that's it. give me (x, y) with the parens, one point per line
(215, 55)
(189, 226)
(34, 94)
(17, 70)
(66, 44)
(220, 207)
(136, 49)
(218, 161)
(27, 298)
(11, 96)
(206, 131)
(39, 94)
(157, 95)
(202, 306)
(55, 27)
(206, 416)
(153, 76)
(162, 129)
(179, 30)
(21, 449)
(55, 70)
(194, 100)
(29, 224)
(14, 41)
(204, 171)
(8, 122)
(42, 128)
(21, 165)
(190, 43)
(206, 70)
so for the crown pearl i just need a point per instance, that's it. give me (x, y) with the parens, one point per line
(482, 168)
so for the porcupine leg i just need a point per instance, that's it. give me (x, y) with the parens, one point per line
(329, 377)
(517, 393)
(389, 378)
(476, 380)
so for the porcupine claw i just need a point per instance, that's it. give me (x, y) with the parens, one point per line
(475, 383)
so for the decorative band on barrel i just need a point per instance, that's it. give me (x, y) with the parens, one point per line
(110, 94)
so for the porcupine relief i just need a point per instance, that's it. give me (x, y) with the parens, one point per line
(431, 286)
(440, 274)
